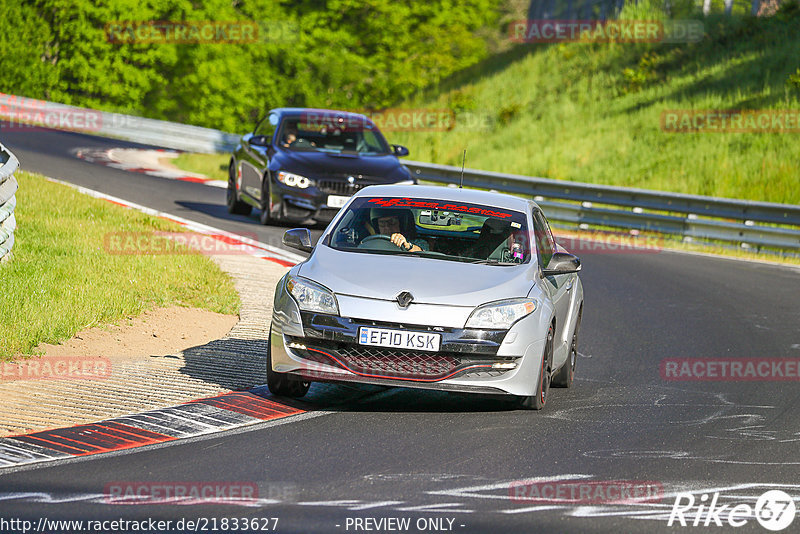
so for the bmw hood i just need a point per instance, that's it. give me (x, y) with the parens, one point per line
(314, 164)
(430, 281)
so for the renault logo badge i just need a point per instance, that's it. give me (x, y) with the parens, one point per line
(404, 299)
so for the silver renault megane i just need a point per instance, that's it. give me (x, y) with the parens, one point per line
(429, 287)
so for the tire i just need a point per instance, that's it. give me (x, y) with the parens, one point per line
(282, 384)
(537, 401)
(265, 217)
(235, 206)
(566, 374)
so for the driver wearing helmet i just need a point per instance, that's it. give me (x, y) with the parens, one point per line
(397, 224)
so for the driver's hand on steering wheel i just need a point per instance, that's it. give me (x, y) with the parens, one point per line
(400, 241)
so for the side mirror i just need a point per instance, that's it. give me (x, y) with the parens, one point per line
(562, 263)
(259, 140)
(400, 151)
(299, 238)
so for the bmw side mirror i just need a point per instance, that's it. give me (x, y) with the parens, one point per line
(259, 140)
(299, 238)
(400, 151)
(562, 263)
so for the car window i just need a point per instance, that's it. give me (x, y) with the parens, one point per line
(267, 126)
(323, 133)
(545, 244)
(439, 229)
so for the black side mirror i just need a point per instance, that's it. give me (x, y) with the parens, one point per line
(299, 238)
(400, 151)
(562, 263)
(259, 140)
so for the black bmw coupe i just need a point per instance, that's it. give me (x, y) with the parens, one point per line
(301, 165)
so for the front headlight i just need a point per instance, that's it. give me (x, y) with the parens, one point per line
(294, 180)
(311, 296)
(501, 314)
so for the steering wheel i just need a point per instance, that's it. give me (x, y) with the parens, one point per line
(379, 242)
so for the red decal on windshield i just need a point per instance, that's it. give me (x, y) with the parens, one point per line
(409, 203)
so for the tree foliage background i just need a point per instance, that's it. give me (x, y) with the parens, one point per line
(350, 54)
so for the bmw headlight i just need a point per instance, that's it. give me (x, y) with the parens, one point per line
(311, 296)
(501, 314)
(294, 180)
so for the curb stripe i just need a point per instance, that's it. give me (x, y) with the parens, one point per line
(105, 157)
(194, 418)
(17, 452)
(252, 405)
(187, 420)
(94, 438)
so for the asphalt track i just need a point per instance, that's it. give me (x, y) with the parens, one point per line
(375, 453)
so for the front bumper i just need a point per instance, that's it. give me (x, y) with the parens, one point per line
(319, 347)
(299, 205)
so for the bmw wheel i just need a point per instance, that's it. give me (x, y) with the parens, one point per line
(235, 206)
(265, 217)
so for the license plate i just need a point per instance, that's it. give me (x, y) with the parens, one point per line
(335, 201)
(399, 339)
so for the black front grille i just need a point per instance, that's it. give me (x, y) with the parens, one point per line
(338, 187)
(394, 363)
(405, 363)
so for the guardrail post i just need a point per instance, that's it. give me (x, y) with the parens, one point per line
(8, 201)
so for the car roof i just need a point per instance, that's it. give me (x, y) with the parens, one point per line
(453, 194)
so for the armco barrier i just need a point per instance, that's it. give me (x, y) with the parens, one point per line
(590, 205)
(8, 201)
(20, 113)
(693, 217)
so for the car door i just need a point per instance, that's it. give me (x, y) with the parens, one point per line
(558, 287)
(257, 151)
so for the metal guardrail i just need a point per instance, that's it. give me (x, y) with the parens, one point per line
(8, 201)
(586, 205)
(24, 113)
(577, 203)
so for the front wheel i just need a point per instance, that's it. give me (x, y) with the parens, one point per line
(265, 217)
(539, 398)
(282, 384)
(235, 206)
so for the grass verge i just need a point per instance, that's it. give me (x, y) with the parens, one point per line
(214, 166)
(61, 279)
(593, 112)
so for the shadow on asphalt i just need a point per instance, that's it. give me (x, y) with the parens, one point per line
(346, 397)
(240, 365)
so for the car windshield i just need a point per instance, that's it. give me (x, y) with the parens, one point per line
(335, 134)
(439, 229)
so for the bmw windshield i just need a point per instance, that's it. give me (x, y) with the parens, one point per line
(323, 132)
(454, 231)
